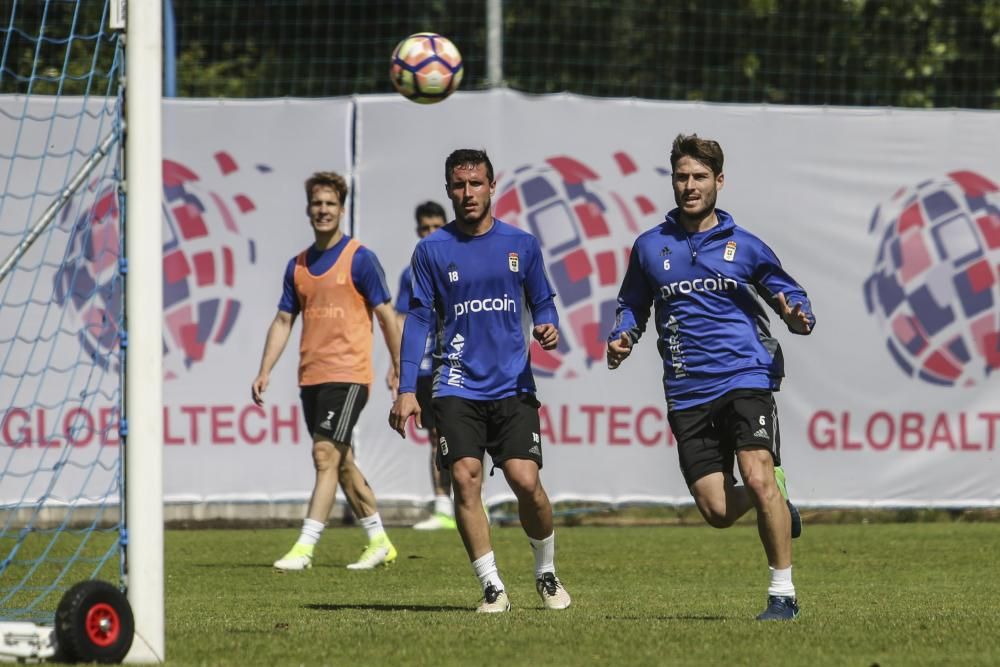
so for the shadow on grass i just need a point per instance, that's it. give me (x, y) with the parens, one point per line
(384, 607)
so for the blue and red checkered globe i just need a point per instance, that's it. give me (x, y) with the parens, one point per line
(934, 285)
(203, 246)
(201, 252)
(88, 282)
(585, 227)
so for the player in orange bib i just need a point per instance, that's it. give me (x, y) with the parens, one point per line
(336, 285)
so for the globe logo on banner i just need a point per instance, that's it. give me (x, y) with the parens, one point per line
(88, 281)
(934, 285)
(203, 246)
(585, 225)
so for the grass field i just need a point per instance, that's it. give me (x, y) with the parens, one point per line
(878, 594)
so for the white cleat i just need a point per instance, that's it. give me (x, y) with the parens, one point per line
(437, 522)
(299, 558)
(551, 590)
(495, 601)
(375, 554)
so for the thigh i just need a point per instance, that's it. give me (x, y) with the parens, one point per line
(331, 410)
(461, 427)
(749, 418)
(700, 449)
(514, 430)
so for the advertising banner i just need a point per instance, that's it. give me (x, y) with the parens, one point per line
(889, 218)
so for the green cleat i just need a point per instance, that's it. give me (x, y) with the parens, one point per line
(437, 522)
(299, 558)
(379, 552)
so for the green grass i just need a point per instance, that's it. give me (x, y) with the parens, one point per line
(885, 594)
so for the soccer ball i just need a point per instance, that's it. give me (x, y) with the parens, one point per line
(426, 68)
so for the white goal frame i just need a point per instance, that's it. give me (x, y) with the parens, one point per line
(143, 409)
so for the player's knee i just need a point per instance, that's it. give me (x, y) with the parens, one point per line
(526, 488)
(467, 483)
(760, 482)
(322, 458)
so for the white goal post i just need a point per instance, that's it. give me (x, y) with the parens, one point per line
(144, 317)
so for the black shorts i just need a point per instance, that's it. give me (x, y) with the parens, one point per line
(425, 384)
(332, 409)
(709, 434)
(507, 428)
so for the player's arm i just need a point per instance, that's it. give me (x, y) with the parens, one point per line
(541, 300)
(401, 308)
(411, 351)
(634, 301)
(369, 279)
(785, 296)
(387, 320)
(277, 337)
(277, 334)
(413, 343)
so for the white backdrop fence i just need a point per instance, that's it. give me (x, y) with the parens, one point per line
(888, 217)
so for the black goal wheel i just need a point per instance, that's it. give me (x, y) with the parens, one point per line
(94, 623)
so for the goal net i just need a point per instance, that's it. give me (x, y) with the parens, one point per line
(63, 334)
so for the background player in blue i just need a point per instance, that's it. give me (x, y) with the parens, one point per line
(705, 276)
(336, 285)
(479, 280)
(430, 217)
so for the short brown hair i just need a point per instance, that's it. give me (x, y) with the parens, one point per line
(327, 179)
(465, 157)
(706, 151)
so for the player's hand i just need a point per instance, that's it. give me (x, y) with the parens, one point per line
(618, 350)
(794, 316)
(403, 408)
(258, 388)
(547, 336)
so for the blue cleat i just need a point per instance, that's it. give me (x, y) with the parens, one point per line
(779, 476)
(779, 608)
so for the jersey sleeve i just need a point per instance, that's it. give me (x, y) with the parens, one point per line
(771, 279)
(421, 278)
(289, 302)
(402, 304)
(635, 298)
(418, 320)
(369, 278)
(538, 288)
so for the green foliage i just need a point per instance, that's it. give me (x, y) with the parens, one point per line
(923, 53)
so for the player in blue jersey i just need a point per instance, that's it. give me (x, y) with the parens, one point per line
(337, 286)
(706, 277)
(430, 217)
(481, 284)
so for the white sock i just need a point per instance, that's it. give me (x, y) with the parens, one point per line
(486, 570)
(545, 554)
(373, 526)
(781, 582)
(311, 531)
(443, 505)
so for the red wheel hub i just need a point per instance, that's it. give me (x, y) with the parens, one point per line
(102, 624)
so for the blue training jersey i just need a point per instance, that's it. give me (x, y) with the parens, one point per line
(481, 293)
(366, 272)
(706, 290)
(403, 308)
